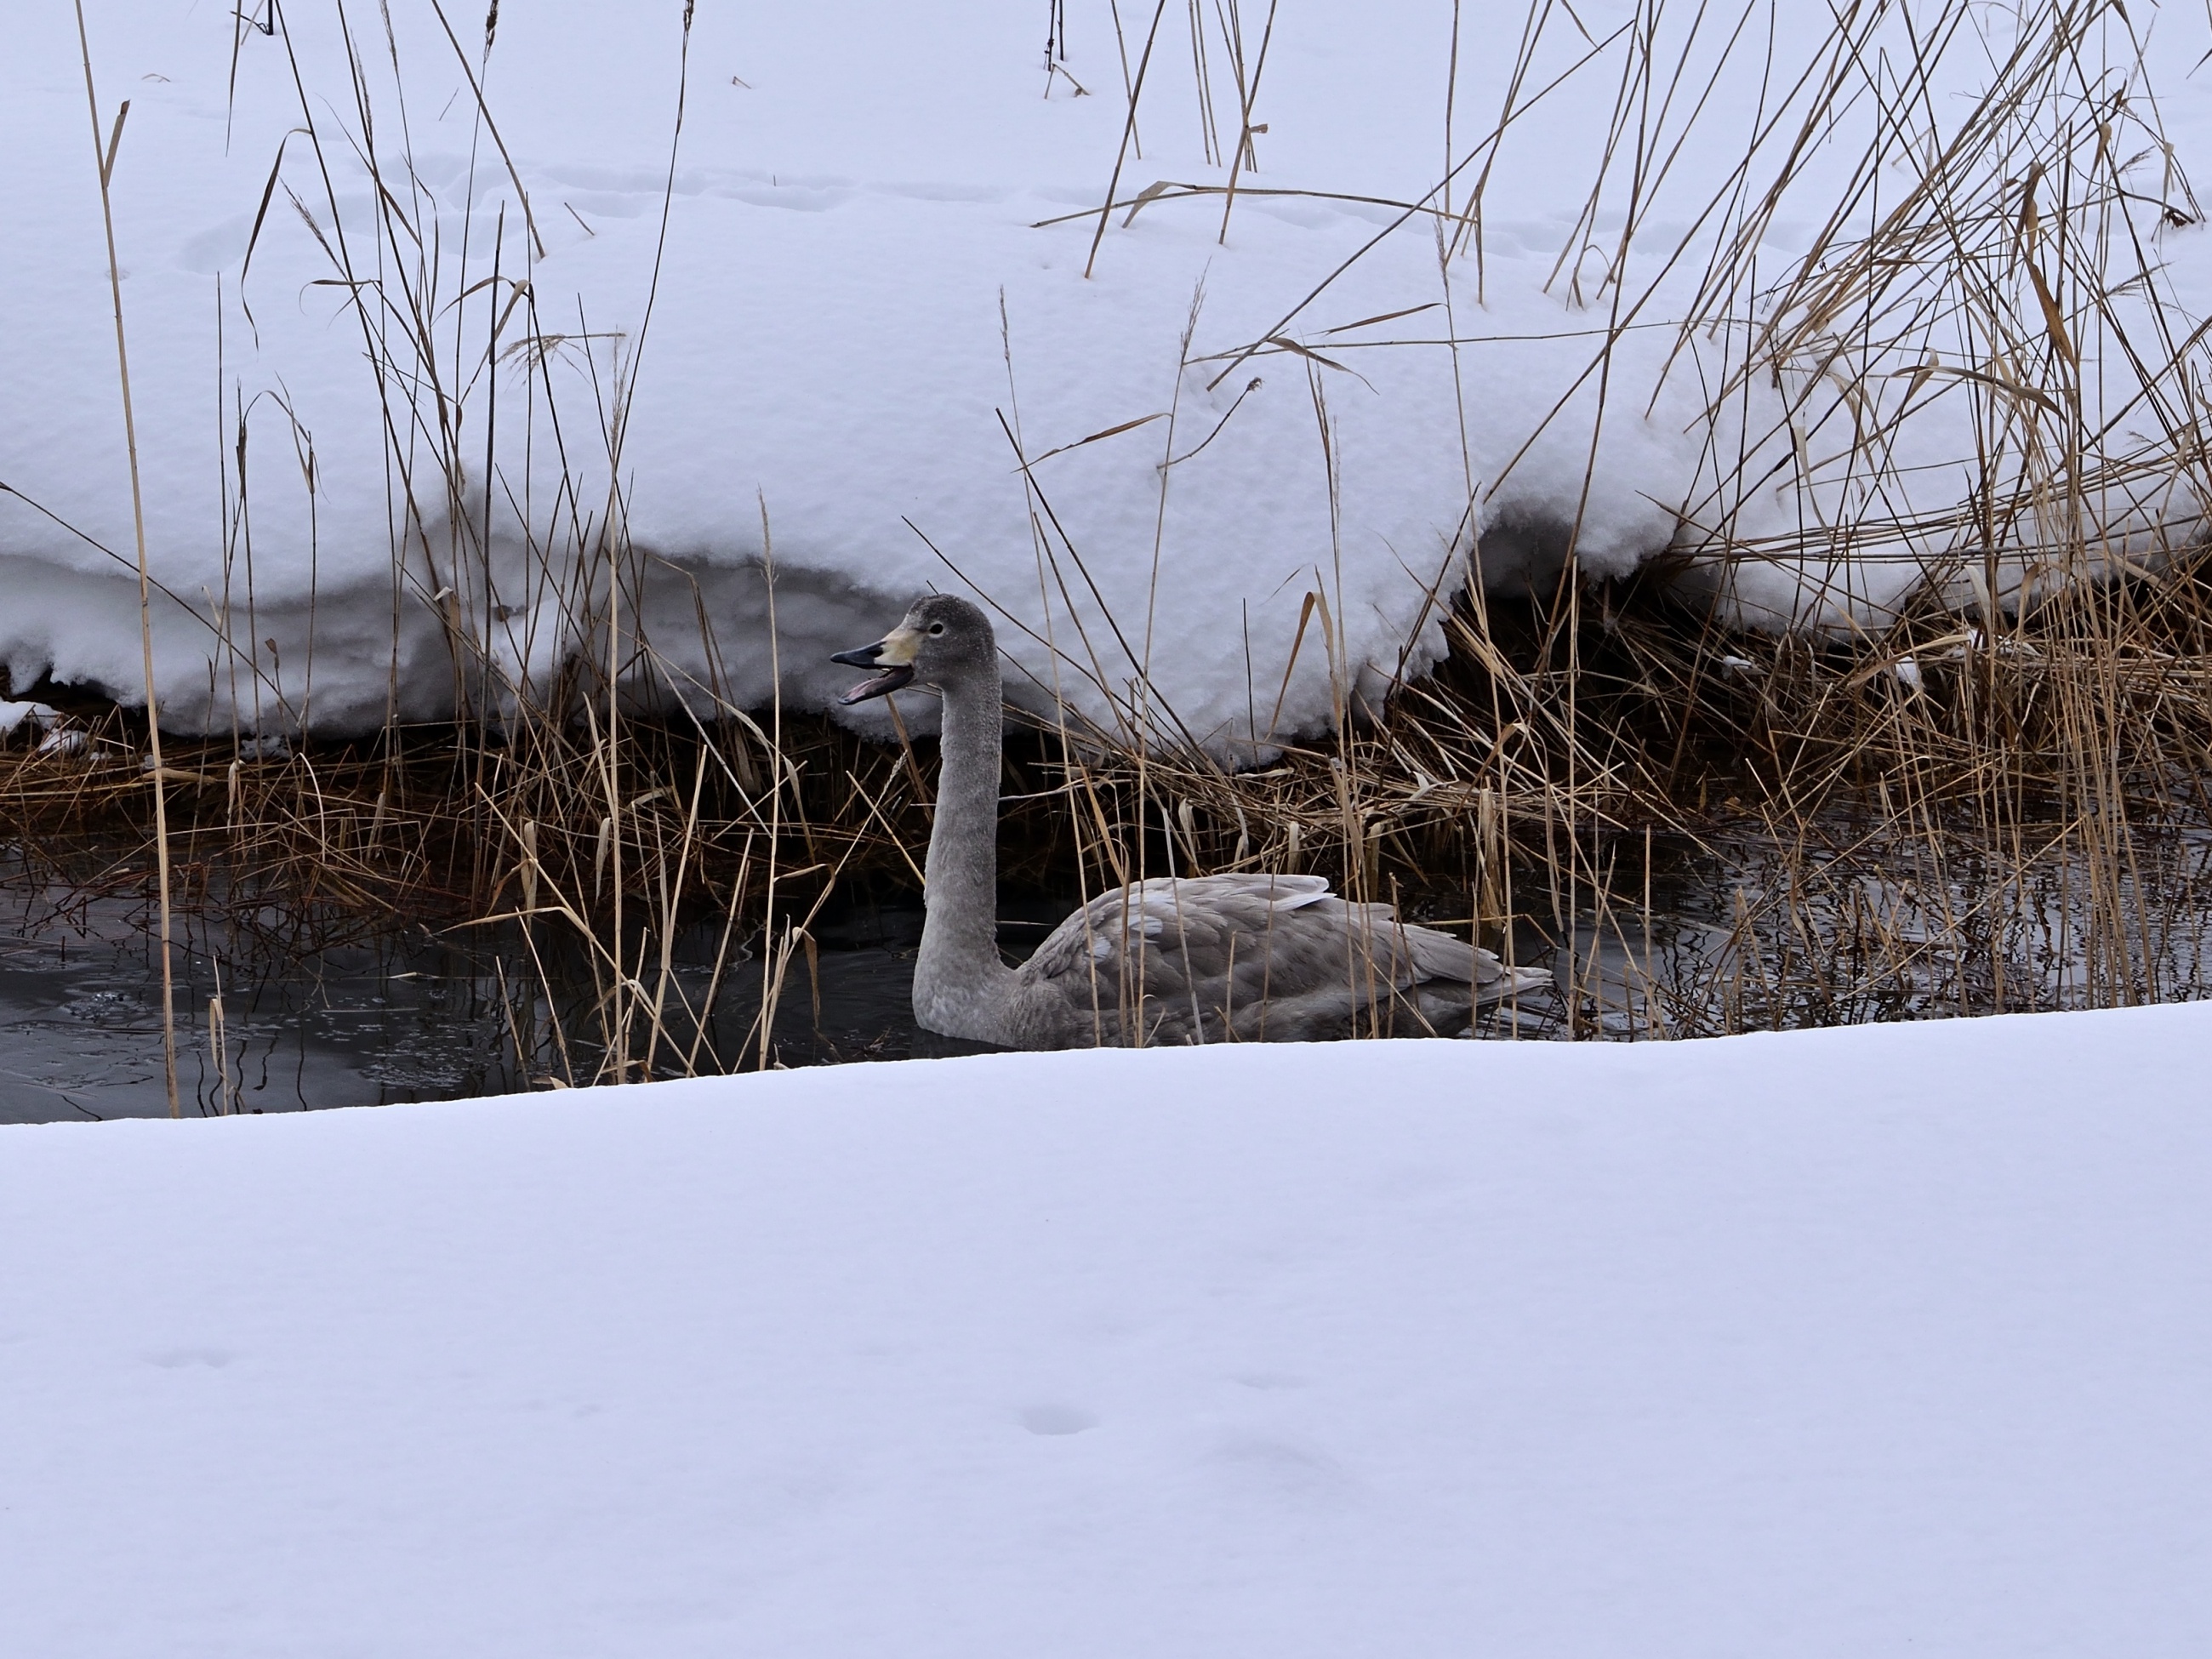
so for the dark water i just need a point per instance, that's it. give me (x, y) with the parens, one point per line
(407, 1014)
(398, 1013)
(404, 1015)
(80, 1023)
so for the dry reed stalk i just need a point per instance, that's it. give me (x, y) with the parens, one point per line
(104, 160)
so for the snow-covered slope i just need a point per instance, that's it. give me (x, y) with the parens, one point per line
(855, 286)
(1883, 1340)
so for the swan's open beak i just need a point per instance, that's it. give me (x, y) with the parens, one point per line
(894, 654)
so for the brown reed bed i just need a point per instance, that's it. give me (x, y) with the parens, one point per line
(1977, 790)
(2015, 822)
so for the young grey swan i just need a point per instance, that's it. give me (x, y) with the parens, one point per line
(1252, 956)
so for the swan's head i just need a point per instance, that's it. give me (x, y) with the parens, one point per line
(941, 641)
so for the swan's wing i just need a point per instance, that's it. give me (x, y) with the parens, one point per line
(1263, 955)
(1421, 954)
(1439, 956)
(1268, 890)
(1166, 913)
(1235, 939)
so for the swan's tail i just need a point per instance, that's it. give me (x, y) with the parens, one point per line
(1439, 956)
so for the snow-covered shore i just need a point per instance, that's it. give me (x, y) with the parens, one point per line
(1870, 1341)
(856, 282)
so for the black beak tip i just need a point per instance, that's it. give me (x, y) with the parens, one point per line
(887, 679)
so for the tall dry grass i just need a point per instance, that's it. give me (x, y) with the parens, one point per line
(105, 156)
(1973, 785)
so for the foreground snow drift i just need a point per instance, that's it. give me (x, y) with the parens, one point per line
(402, 375)
(1856, 1342)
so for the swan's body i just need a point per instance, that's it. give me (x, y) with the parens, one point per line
(1247, 957)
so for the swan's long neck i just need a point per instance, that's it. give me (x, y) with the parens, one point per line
(961, 987)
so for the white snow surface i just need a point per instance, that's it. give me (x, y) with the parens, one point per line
(851, 291)
(1881, 1341)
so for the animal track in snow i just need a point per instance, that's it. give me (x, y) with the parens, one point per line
(177, 1359)
(1057, 1419)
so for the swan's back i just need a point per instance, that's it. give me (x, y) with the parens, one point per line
(1248, 957)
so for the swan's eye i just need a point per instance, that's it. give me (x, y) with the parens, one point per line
(936, 628)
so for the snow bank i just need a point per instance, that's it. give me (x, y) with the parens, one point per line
(858, 303)
(1837, 1343)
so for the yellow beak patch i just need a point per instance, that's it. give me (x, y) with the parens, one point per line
(900, 646)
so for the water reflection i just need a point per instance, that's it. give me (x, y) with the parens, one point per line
(287, 1009)
(395, 1014)
(1752, 935)
(400, 1017)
